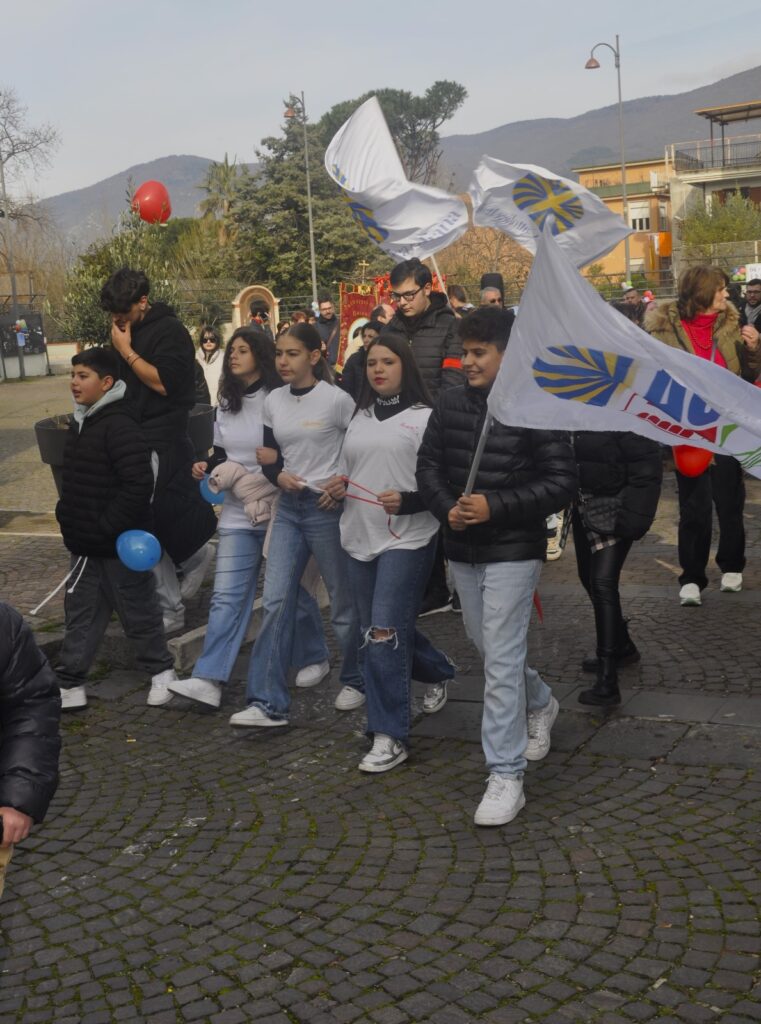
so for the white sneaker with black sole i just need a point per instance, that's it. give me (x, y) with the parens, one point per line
(540, 725)
(204, 691)
(311, 675)
(73, 697)
(386, 754)
(501, 802)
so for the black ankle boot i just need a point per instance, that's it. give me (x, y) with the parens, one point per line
(605, 692)
(627, 653)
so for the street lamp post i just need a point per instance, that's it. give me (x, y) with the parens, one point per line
(290, 112)
(591, 65)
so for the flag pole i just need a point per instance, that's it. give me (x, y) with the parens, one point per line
(437, 272)
(478, 456)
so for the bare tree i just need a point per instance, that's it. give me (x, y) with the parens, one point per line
(22, 147)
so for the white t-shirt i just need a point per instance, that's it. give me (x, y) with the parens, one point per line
(240, 434)
(381, 455)
(309, 428)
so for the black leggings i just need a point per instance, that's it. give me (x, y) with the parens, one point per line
(600, 573)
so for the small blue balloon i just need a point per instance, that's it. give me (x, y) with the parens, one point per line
(208, 495)
(138, 550)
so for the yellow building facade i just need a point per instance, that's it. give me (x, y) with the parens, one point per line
(649, 203)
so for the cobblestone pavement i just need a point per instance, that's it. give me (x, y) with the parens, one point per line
(191, 873)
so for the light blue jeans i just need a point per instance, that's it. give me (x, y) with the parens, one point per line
(301, 529)
(239, 558)
(496, 600)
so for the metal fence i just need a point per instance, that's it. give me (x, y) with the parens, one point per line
(744, 151)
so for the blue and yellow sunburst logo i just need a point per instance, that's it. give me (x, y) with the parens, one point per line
(541, 198)
(365, 217)
(584, 374)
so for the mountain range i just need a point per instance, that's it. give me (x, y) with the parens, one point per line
(560, 144)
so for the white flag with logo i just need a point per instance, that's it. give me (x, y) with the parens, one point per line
(519, 199)
(403, 218)
(574, 363)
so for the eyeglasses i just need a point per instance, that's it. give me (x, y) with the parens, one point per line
(406, 296)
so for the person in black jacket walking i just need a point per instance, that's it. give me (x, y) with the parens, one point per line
(159, 371)
(619, 486)
(107, 486)
(30, 743)
(495, 541)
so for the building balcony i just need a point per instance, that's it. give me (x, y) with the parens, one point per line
(711, 158)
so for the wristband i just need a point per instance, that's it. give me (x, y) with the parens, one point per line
(134, 359)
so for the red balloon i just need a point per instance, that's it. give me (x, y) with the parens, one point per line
(152, 202)
(691, 461)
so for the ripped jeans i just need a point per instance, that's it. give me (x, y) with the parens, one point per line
(387, 592)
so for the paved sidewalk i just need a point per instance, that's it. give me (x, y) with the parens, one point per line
(190, 872)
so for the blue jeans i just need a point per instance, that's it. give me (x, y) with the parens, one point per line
(239, 558)
(300, 530)
(387, 592)
(496, 600)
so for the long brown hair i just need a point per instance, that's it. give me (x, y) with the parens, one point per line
(231, 389)
(696, 291)
(413, 390)
(310, 338)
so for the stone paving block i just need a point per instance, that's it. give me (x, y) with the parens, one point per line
(626, 737)
(674, 706)
(459, 720)
(718, 745)
(740, 711)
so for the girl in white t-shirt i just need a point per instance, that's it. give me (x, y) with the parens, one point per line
(305, 421)
(391, 541)
(248, 376)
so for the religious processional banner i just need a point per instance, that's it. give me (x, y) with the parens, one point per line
(520, 199)
(574, 363)
(403, 218)
(357, 303)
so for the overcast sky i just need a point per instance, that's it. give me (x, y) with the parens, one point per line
(130, 82)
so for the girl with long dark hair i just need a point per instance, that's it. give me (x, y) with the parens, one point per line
(248, 376)
(305, 422)
(210, 356)
(391, 541)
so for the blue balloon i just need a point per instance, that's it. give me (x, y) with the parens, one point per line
(138, 550)
(208, 495)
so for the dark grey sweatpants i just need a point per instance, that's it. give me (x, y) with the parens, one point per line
(105, 586)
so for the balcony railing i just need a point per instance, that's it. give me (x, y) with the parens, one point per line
(693, 157)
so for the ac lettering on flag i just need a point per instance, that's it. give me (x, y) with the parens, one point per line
(618, 377)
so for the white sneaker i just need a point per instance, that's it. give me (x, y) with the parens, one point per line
(191, 581)
(386, 754)
(689, 595)
(160, 693)
(173, 623)
(732, 582)
(435, 698)
(540, 725)
(349, 697)
(311, 675)
(254, 716)
(73, 697)
(205, 691)
(501, 801)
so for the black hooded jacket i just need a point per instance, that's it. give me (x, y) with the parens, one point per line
(107, 482)
(30, 711)
(435, 343)
(525, 475)
(162, 340)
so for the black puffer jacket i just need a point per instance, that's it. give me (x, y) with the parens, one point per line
(525, 475)
(435, 343)
(625, 465)
(30, 710)
(107, 482)
(353, 375)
